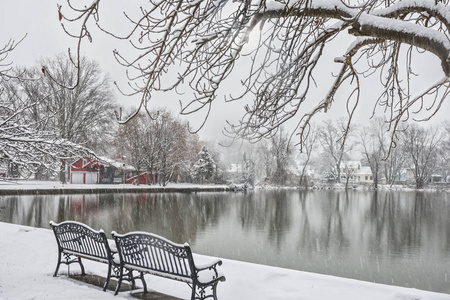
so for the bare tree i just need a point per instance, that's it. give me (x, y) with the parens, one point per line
(265, 159)
(5, 65)
(348, 171)
(445, 151)
(197, 44)
(171, 147)
(421, 146)
(132, 141)
(393, 164)
(331, 139)
(189, 156)
(309, 145)
(25, 145)
(281, 152)
(375, 144)
(83, 115)
(161, 145)
(23, 142)
(248, 166)
(383, 157)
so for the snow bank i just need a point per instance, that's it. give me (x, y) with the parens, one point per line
(56, 187)
(28, 258)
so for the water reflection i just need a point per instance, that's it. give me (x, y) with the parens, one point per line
(400, 238)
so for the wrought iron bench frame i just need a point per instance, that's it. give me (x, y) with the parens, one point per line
(148, 253)
(76, 240)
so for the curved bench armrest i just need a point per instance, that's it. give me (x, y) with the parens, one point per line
(112, 247)
(210, 265)
(207, 274)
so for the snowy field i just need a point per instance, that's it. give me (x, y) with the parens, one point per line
(28, 258)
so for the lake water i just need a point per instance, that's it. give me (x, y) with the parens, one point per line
(398, 238)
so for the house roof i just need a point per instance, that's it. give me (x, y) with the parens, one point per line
(351, 163)
(117, 164)
(364, 171)
(100, 160)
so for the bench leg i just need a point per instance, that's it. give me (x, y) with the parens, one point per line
(105, 286)
(131, 278)
(214, 288)
(120, 280)
(81, 266)
(194, 287)
(58, 264)
(68, 262)
(143, 282)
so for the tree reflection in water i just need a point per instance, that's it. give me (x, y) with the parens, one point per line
(400, 238)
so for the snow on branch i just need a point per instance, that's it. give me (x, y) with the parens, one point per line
(22, 143)
(283, 45)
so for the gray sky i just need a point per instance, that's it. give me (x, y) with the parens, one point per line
(45, 38)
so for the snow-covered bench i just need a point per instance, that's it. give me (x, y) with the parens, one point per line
(76, 240)
(149, 253)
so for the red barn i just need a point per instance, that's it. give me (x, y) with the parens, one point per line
(85, 171)
(143, 178)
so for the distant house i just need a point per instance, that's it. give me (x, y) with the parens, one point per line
(437, 178)
(349, 169)
(358, 173)
(112, 171)
(85, 171)
(364, 175)
(405, 176)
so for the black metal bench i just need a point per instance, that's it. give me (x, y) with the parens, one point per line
(149, 253)
(76, 240)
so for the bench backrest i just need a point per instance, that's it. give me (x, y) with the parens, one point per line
(81, 239)
(155, 254)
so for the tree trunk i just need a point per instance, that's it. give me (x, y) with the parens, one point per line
(62, 172)
(420, 183)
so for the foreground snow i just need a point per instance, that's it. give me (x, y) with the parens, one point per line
(28, 258)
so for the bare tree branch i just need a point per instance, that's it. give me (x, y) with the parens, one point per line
(196, 45)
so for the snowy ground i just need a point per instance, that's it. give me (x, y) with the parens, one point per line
(28, 258)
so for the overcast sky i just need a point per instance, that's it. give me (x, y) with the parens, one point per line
(45, 38)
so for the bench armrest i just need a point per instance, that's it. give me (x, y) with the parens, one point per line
(208, 274)
(210, 265)
(112, 247)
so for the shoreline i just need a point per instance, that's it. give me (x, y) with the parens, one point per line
(66, 191)
(56, 188)
(31, 187)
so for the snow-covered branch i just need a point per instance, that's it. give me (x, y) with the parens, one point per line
(196, 45)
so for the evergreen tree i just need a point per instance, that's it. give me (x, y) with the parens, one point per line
(205, 166)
